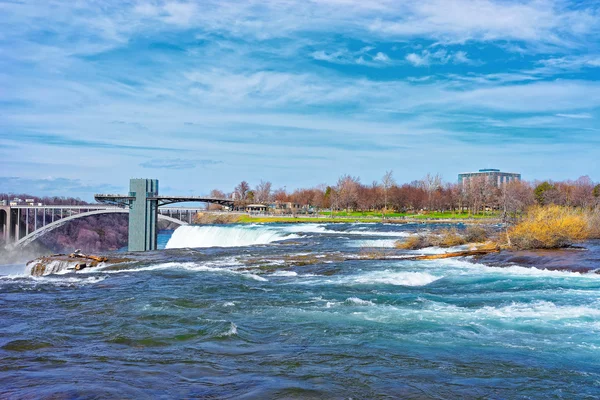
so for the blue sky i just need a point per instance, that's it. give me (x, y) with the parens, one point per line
(203, 94)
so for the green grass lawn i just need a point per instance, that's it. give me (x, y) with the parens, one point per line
(432, 215)
(247, 219)
(454, 215)
(377, 214)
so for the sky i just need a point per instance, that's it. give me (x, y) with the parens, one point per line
(204, 94)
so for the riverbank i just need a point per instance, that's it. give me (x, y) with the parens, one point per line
(220, 218)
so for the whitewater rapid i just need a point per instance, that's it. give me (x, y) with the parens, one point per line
(204, 236)
(256, 307)
(225, 236)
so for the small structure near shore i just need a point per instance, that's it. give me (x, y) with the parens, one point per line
(256, 208)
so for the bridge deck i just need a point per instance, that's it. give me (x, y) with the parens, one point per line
(162, 200)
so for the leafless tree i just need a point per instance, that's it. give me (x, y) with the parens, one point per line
(262, 192)
(241, 191)
(218, 194)
(430, 184)
(583, 192)
(281, 196)
(386, 183)
(515, 197)
(347, 191)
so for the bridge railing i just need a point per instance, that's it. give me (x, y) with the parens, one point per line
(23, 220)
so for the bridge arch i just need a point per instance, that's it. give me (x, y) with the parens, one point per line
(56, 224)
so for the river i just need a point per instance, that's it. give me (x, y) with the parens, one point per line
(290, 311)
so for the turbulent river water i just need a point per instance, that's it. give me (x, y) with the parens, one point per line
(304, 311)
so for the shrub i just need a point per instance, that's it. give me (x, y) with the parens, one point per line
(450, 238)
(476, 234)
(414, 242)
(445, 238)
(549, 227)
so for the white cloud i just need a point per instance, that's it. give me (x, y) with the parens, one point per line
(180, 13)
(363, 56)
(544, 21)
(555, 96)
(381, 57)
(417, 60)
(571, 62)
(460, 57)
(238, 87)
(441, 56)
(575, 116)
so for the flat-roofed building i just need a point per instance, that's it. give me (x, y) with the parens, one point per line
(494, 176)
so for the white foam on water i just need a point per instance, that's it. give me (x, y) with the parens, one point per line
(154, 267)
(519, 316)
(306, 228)
(543, 310)
(284, 273)
(520, 313)
(359, 302)
(225, 236)
(375, 243)
(440, 250)
(377, 233)
(322, 228)
(215, 266)
(468, 267)
(232, 330)
(255, 277)
(55, 280)
(388, 277)
(384, 277)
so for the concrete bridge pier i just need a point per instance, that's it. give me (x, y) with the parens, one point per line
(143, 214)
(5, 224)
(11, 226)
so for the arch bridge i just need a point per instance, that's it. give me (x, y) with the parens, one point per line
(20, 225)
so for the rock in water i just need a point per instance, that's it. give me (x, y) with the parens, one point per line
(60, 262)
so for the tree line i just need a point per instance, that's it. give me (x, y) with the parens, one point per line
(429, 194)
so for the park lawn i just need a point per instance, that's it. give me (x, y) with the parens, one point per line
(373, 214)
(453, 215)
(433, 215)
(247, 219)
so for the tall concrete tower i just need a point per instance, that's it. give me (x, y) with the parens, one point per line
(143, 214)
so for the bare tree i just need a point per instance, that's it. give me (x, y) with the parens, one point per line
(476, 188)
(262, 192)
(387, 182)
(280, 195)
(347, 191)
(319, 199)
(241, 191)
(430, 184)
(218, 194)
(583, 192)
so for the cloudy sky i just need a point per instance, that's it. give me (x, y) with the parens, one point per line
(203, 94)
